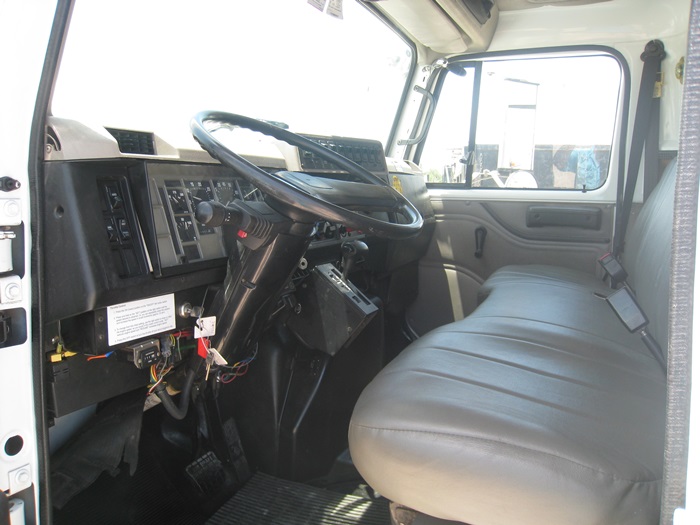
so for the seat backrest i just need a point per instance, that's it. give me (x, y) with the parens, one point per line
(647, 254)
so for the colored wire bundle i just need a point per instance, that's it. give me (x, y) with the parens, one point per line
(230, 372)
(158, 372)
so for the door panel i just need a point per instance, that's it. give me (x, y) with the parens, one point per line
(450, 274)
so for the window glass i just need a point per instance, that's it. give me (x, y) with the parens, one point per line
(153, 65)
(542, 123)
(446, 146)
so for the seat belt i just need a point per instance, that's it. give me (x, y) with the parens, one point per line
(643, 120)
(651, 145)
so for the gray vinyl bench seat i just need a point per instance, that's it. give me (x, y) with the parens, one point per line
(540, 407)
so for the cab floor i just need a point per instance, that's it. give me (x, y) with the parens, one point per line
(160, 491)
(266, 500)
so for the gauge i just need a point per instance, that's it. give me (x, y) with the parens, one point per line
(249, 192)
(199, 191)
(226, 191)
(178, 201)
(185, 228)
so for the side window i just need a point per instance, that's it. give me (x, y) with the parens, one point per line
(542, 123)
(447, 144)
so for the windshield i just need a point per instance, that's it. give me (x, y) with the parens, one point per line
(152, 65)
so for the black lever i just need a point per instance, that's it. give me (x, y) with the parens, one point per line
(480, 235)
(351, 251)
(212, 213)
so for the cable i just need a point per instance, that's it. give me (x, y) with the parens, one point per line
(237, 369)
(103, 356)
(177, 412)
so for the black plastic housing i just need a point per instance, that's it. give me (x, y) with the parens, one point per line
(332, 312)
(84, 268)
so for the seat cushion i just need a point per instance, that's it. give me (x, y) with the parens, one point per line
(506, 420)
(538, 408)
(541, 274)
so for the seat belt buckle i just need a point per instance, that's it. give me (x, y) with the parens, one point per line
(627, 309)
(613, 268)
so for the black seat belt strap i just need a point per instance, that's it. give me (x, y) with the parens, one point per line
(651, 145)
(652, 56)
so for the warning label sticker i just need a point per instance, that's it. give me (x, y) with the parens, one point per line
(136, 319)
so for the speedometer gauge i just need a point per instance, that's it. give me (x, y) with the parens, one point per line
(199, 191)
(226, 191)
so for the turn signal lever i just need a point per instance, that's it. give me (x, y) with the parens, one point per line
(212, 213)
(352, 251)
(257, 223)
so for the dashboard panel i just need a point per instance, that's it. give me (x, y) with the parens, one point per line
(125, 221)
(175, 191)
(120, 230)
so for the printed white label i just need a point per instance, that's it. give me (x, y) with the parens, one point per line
(217, 357)
(129, 321)
(318, 4)
(205, 327)
(335, 8)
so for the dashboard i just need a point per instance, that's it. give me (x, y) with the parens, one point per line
(120, 229)
(120, 212)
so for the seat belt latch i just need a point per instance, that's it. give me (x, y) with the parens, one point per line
(613, 269)
(627, 309)
(632, 316)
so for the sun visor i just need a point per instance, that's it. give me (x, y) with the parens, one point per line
(445, 26)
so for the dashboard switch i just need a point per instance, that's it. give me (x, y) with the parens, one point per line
(111, 230)
(114, 197)
(124, 230)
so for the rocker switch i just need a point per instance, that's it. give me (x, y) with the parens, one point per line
(111, 231)
(124, 230)
(114, 197)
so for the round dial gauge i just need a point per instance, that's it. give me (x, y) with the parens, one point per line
(178, 201)
(199, 191)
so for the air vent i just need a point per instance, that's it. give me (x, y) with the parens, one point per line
(138, 142)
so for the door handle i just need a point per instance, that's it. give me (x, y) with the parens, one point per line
(480, 236)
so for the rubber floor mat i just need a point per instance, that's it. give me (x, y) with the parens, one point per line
(266, 500)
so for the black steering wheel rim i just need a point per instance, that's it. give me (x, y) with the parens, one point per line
(289, 194)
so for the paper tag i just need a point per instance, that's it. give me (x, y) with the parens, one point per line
(217, 357)
(205, 327)
(335, 8)
(136, 319)
(318, 4)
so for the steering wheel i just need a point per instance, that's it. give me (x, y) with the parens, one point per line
(323, 198)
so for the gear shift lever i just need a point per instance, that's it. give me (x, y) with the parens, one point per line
(352, 250)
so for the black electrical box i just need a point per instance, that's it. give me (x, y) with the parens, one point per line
(332, 312)
(77, 382)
